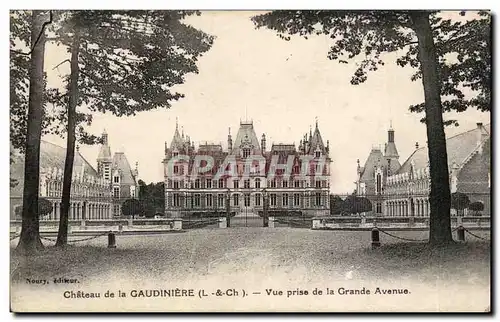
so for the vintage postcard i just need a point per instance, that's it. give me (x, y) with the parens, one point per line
(250, 161)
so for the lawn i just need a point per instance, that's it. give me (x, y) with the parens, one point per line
(259, 258)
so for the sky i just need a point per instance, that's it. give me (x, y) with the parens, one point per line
(282, 87)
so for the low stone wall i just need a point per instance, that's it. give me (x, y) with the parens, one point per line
(393, 222)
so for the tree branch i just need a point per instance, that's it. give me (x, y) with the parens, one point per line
(45, 24)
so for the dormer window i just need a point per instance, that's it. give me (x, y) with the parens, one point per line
(175, 154)
(246, 152)
(116, 179)
(318, 154)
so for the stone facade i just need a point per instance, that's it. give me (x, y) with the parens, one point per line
(92, 192)
(372, 177)
(247, 176)
(405, 192)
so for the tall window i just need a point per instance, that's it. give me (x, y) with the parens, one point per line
(220, 200)
(296, 199)
(236, 184)
(236, 199)
(272, 200)
(257, 199)
(273, 183)
(379, 182)
(197, 200)
(116, 179)
(209, 183)
(257, 183)
(318, 199)
(285, 184)
(221, 183)
(246, 152)
(116, 192)
(208, 200)
(176, 184)
(247, 200)
(285, 200)
(246, 184)
(177, 202)
(176, 169)
(378, 207)
(197, 184)
(318, 184)
(296, 184)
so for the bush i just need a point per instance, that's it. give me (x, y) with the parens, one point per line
(44, 208)
(476, 207)
(132, 208)
(459, 202)
(356, 205)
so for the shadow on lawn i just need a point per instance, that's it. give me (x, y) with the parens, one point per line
(448, 263)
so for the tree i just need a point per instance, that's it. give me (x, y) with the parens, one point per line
(424, 40)
(477, 207)
(152, 197)
(459, 202)
(132, 208)
(122, 62)
(337, 205)
(29, 241)
(355, 205)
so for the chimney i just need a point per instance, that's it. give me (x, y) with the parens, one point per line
(416, 145)
(263, 143)
(479, 125)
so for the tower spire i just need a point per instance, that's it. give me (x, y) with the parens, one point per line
(176, 123)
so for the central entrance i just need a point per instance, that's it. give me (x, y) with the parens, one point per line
(246, 215)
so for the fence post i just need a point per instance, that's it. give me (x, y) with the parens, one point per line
(460, 233)
(270, 224)
(222, 222)
(111, 240)
(375, 237)
(177, 224)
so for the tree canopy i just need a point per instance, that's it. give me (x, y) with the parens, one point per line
(132, 208)
(462, 41)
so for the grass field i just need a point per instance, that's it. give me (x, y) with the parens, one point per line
(260, 258)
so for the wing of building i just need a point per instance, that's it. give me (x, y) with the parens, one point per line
(403, 190)
(93, 195)
(247, 176)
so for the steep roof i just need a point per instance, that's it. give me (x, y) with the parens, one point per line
(390, 150)
(458, 148)
(51, 156)
(376, 158)
(316, 141)
(120, 162)
(246, 137)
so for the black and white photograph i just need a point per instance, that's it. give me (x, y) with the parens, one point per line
(250, 161)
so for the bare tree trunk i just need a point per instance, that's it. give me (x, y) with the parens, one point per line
(62, 235)
(440, 197)
(29, 241)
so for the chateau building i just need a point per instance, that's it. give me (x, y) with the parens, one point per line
(403, 190)
(95, 194)
(469, 161)
(247, 176)
(372, 177)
